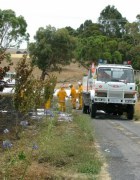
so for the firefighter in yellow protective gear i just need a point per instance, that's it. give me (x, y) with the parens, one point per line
(73, 95)
(61, 98)
(48, 104)
(80, 98)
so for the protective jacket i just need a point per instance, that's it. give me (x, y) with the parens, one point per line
(61, 99)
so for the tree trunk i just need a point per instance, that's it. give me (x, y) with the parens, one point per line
(43, 75)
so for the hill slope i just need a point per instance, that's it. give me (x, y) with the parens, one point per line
(70, 74)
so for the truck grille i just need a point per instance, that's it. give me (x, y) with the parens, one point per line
(115, 94)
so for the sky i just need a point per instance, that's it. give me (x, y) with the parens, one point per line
(62, 13)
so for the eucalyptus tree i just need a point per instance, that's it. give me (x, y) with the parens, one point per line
(113, 24)
(107, 56)
(12, 29)
(12, 34)
(71, 31)
(135, 56)
(90, 49)
(84, 26)
(52, 49)
(124, 48)
(111, 45)
(133, 32)
(88, 29)
(117, 57)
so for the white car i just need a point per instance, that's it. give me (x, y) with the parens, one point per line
(9, 78)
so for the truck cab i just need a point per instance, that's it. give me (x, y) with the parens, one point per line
(110, 88)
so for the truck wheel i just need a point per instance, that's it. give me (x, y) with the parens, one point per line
(93, 110)
(85, 109)
(130, 112)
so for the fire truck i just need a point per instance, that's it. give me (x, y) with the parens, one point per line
(110, 88)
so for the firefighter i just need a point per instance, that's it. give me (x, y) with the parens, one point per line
(48, 104)
(80, 98)
(73, 95)
(61, 98)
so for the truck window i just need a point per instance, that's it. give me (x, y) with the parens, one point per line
(123, 75)
(115, 74)
(104, 74)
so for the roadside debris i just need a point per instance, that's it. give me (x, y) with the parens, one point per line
(40, 113)
(65, 117)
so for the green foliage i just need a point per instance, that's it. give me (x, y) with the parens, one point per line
(135, 55)
(49, 86)
(90, 166)
(88, 29)
(71, 31)
(24, 86)
(90, 49)
(4, 55)
(52, 49)
(107, 56)
(21, 155)
(31, 93)
(12, 34)
(12, 29)
(117, 57)
(113, 24)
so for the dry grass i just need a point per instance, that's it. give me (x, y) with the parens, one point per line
(137, 111)
(70, 74)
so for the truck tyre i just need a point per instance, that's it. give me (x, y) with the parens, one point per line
(93, 110)
(85, 109)
(130, 112)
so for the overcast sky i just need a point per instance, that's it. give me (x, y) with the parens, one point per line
(62, 13)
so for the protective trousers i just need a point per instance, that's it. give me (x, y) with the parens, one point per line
(62, 106)
(73, 102)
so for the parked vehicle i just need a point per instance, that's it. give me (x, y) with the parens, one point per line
(2, 85)
(111, 88)
(9, 78)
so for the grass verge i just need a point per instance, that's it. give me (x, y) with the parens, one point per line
(52, 149)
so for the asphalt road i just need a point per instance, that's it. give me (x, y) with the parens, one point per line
(119, 140)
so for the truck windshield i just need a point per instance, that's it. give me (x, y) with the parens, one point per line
(115, 74)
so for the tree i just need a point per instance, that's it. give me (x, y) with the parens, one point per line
(124, 48)
(12, 29)
(90, 49)
(133, 32)
(113, 24)
(135, 56)
(117, 57)
(51, 50)
(107, 56)
(71, 31)
(12, 33)
(88, 29)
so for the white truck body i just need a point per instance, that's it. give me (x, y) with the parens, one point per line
(110, 88)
